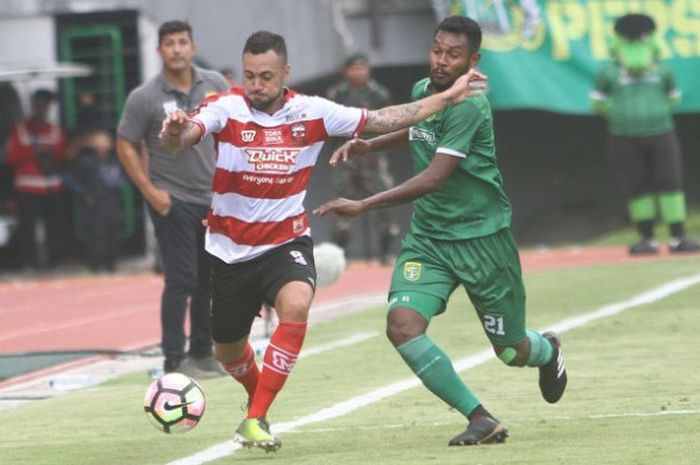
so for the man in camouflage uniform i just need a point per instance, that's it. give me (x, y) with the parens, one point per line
(368, 175)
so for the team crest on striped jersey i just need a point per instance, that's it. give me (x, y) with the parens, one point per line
(411, 271)
(298, 130)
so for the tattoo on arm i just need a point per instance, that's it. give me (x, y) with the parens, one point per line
(190, 135)
(401, 116)
(391, 118)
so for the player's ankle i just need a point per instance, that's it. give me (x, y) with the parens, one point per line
(479, 412)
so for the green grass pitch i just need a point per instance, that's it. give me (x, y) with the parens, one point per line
(633, 396)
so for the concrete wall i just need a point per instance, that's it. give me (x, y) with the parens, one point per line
(320, 33)
(22, 48)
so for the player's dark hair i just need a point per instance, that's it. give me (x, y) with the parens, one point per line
(171, 27)
(634, 26)
(262, 41)
(462, 25)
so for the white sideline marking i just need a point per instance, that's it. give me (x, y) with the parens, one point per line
(645, 414)
(343, 408)
(260, 345)
(510, 421)
(348, 341)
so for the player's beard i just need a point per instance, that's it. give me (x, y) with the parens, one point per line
(264, 105)
(442, 79)
(440, 86)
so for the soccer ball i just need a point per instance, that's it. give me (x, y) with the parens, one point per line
(330, 263)
(174, 403)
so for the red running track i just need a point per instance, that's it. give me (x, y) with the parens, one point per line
(121, 312)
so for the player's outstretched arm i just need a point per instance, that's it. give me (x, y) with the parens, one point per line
(356, 148)
(397, 117)
(178, 132)
(429, 180)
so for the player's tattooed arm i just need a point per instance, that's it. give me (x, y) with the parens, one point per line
(178, 132)
(391, 118)
(397, 117)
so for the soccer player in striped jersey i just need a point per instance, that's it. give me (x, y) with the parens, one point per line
(268, 139)
(459, 235)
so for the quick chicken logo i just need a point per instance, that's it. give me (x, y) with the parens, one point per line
(272, 160)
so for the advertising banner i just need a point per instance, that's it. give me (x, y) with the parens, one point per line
(545, 54)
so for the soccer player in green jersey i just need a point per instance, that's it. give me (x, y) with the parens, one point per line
(459, 235)
(636, 95)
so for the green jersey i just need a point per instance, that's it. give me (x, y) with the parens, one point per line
(637, 105)
(472, 202)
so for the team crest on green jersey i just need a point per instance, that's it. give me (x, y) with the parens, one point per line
(411, 271)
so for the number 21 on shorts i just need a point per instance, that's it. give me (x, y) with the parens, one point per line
(494, 325)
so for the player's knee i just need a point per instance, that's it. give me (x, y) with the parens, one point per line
(293, 301)
(229, 351)
(400, 329)
(399, 333)
(296, 310)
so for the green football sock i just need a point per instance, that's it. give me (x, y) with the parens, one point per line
(435, 369)
(540, 349)
(672, 206)
(642, 208)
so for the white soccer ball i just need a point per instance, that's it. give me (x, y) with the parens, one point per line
(330, 263)
(174, 403)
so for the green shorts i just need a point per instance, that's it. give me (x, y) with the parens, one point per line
(428, 271)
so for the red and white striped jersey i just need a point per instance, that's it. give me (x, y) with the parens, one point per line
(24, 141)
(263, 166)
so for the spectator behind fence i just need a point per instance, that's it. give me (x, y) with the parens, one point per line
(636, 93)
(368, 175)
(97, 180)
(177, 189)
(36, 150)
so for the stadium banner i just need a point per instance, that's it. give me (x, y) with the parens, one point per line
(545, 54)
